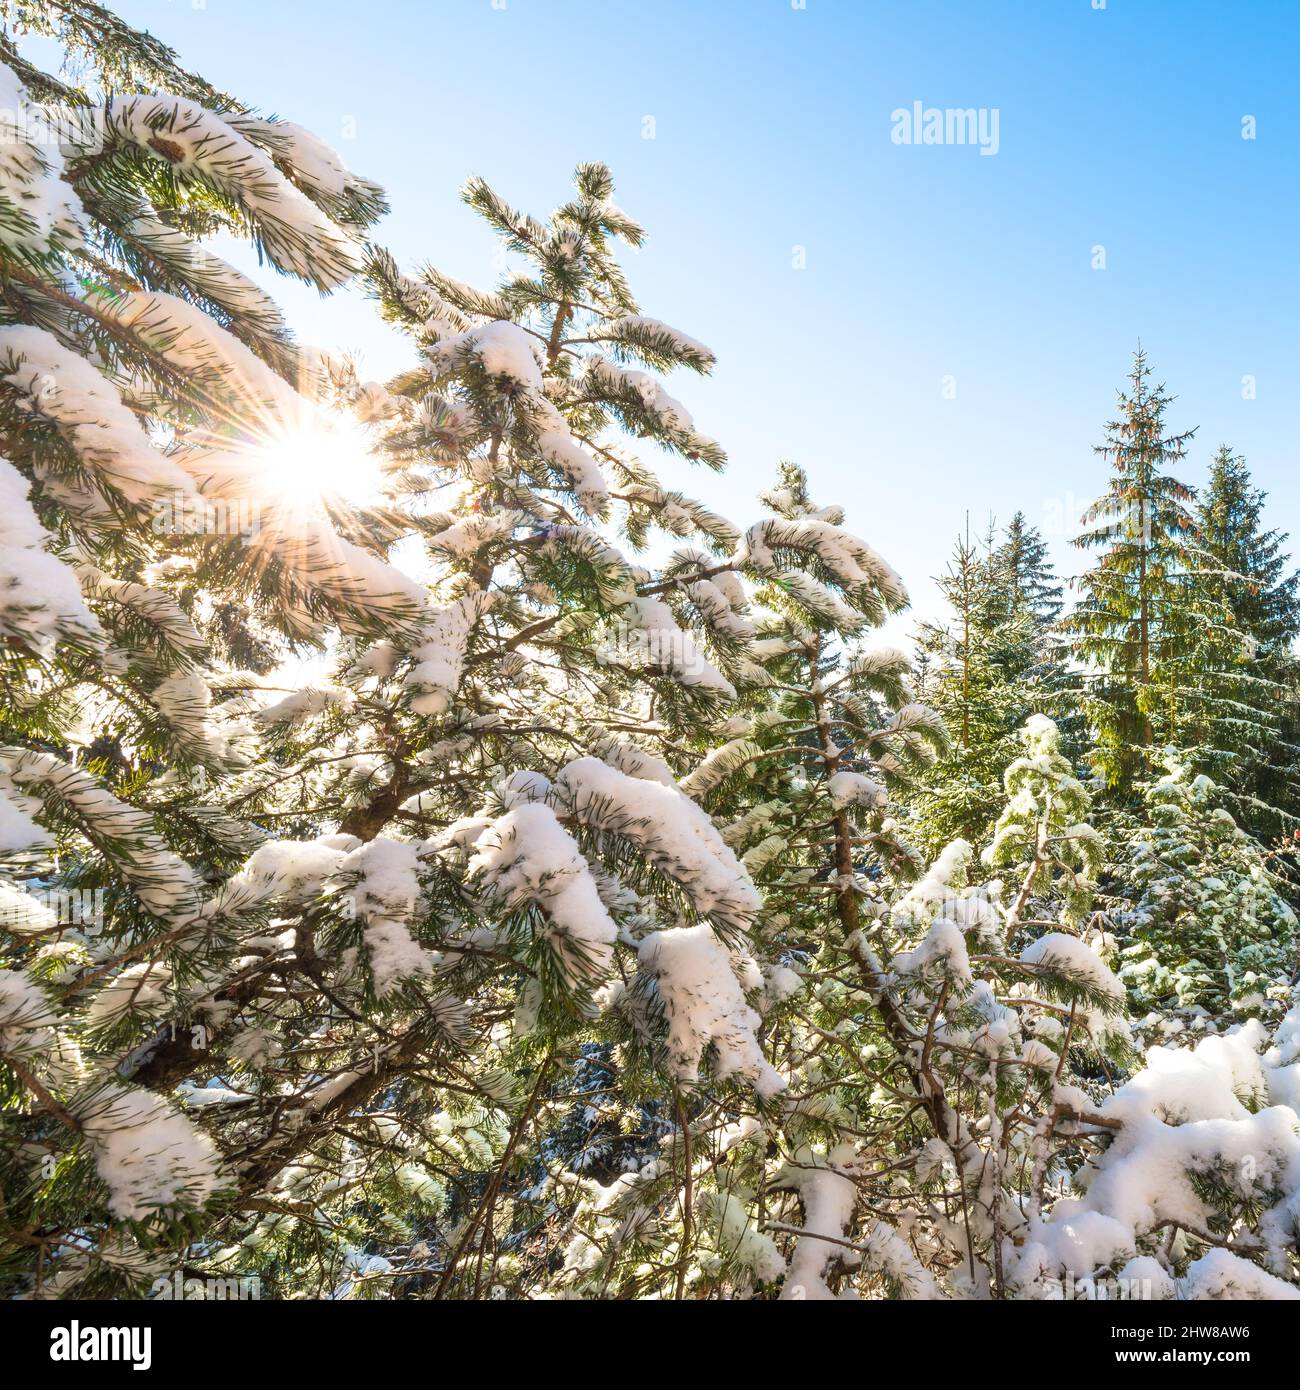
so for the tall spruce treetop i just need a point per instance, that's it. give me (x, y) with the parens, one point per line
(1041, 665)
(973, 661)
(1027, 573)
(1131, 626)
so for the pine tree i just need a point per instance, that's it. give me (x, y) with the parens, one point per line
(138, 374)
(358, 934)
(1133, 627)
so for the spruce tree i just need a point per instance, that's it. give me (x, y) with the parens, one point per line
(1247, 684)
(1034, 600)
(970, 661)
(1027, 573)
(1208, 930)
(1133, 628)
(993, 663)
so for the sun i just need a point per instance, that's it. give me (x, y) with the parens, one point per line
(321, 461)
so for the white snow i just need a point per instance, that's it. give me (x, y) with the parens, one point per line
(505, 350)
(39, 210)
(853, 789)
(1219, 1274)
(943, 946)
(527, 856)
(197, 143)
(165, 883)
(706, 1009)
(439, 657)
(295, 870)
(150, 1157)
(55, 384)
(137, 988)
(828, 1196)
(1076, 960)
(668, 647)
(385, 893)
(40, 599)
(694, 351)
(666, 410)
(854, 565)
(221, 284)
(25, 1014)
(673, 832)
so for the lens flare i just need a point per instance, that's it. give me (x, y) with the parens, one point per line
(323, 461)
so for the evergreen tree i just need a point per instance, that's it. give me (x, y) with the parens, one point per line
(1208, 930)
(995, 662)
(1134, 628)
(801, 791)
(1247, 736)
(297, 883)
(1027, 574)
(1040, 664)
(971, 664)
(138, 372)
(360, 934)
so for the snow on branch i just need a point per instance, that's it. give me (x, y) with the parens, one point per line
(658, 343)
(706, 1009)
(1073, 970)
(164, 883)
(382, 886)
(526, 857)
(41, 602)
(669, 828)
(247, 307)
(870, 585)
(439, 656)
(151, 1158)
(196, 145)
(40, 213)
(316, 169)
(655, 637)
(54, 384)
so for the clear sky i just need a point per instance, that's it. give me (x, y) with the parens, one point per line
(1118, 127)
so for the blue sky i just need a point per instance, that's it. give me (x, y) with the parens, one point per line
(1118, 127)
